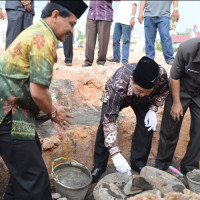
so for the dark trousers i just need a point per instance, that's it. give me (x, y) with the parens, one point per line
(141, 141)
(29, 178)
(17, 22)
(102, 28)
(68, 49)
(169, 135)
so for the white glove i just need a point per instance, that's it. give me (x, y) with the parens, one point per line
(121, 164)
(150, 120)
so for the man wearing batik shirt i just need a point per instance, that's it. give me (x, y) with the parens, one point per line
(25, 74)
(99, 21)
(144, 87)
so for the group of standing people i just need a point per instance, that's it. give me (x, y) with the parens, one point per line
(156, 16)
(26, 71)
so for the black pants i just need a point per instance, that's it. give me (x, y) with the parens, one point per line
(141, 141)
(68, 49)
(17, 22)
(169, 135)
(29, 178)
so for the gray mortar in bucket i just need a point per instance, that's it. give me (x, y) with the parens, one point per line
(193, 178)
(72, 180)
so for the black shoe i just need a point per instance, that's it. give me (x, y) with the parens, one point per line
(96, 173)
(100, 64)
(68, 64)
(86, 65)
(124, 62)
(112, 60)
(136, 168)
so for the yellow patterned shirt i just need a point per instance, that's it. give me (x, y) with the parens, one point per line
(29, 58)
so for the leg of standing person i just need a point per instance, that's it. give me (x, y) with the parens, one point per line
(101, 153)
(68, 50)
(192, 155)
(116, 42)
(142, 138)
(28, 20)
(15, 25)
(166, 41)
(169, 135)
(103, 29)
(29, 176)
(91, 36)
(126, 32)
(150, 30)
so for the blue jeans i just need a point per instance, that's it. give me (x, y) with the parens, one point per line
(151, 24)
(119, 30)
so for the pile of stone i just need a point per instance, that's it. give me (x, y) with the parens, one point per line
(151, 184)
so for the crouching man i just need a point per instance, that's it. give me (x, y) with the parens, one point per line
(144, 87)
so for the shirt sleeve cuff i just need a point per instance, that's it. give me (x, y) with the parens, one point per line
(173, 74)
(114, 150)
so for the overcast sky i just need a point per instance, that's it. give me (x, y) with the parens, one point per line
(189, 15)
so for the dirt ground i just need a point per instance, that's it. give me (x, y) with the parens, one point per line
(78, 60)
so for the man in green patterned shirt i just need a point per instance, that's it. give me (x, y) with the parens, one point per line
(25, 75)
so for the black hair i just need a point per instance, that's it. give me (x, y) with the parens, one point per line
(50, 7)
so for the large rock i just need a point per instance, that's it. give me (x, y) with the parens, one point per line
(106, 186)
(137, 185)
(161, 180)
(117, 178)
(105, 190)
(147, 196)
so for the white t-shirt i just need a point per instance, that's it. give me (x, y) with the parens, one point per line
(124, 12)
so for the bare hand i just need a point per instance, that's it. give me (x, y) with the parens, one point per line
(28, 7)
(176, 111)
(132, 22)
(58, 128)
(62, 117)
(141, 17)
(25, 2)
(176, 15)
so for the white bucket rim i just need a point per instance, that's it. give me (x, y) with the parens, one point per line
(73, 164)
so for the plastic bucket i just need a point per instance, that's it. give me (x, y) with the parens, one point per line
(193, 179)
(72, 180)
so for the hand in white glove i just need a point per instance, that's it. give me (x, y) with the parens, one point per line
(121, 164)
(150, 120)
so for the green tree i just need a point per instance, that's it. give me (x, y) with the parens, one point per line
(187, 31)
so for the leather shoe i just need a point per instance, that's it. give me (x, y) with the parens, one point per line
(136, 168)
(96, 173)
(68, 64)
(86, 65)
(112, 60)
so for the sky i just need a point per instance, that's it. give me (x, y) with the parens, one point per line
(189, 15)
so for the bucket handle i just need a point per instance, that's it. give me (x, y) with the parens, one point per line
(57, 159)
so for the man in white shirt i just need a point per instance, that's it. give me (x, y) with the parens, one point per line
(125, 21)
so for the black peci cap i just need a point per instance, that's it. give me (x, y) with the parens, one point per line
(146, 73)
(77, 7)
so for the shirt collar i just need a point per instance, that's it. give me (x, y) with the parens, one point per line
(48, 27)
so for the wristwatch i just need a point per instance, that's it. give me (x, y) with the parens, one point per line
(176, 9)
(132, 16)
(53, 114)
